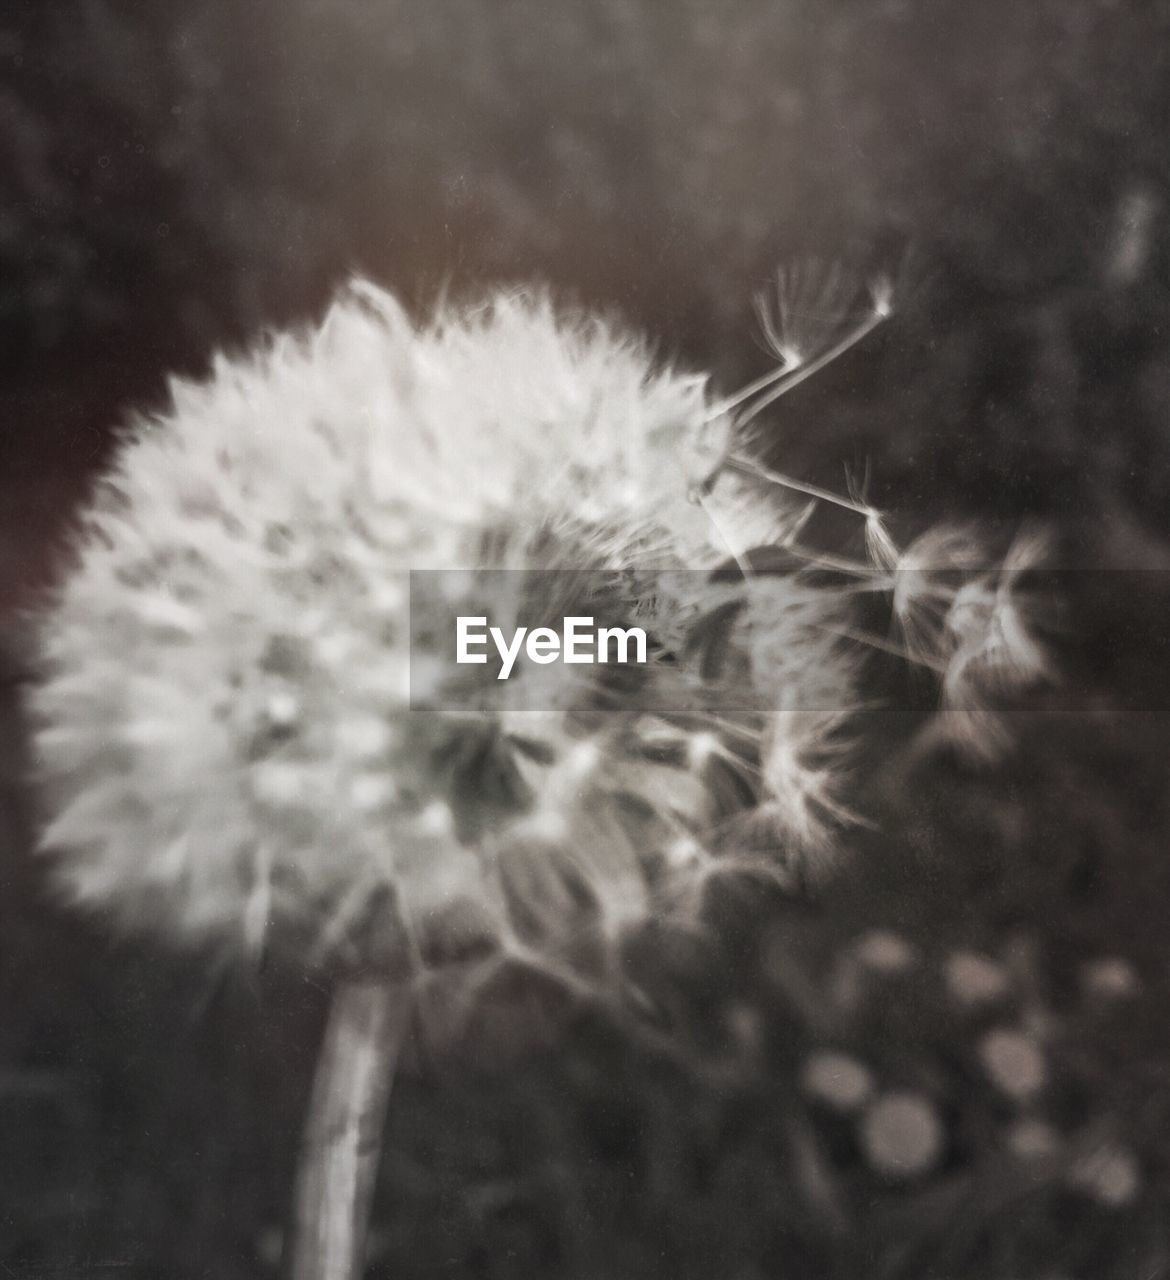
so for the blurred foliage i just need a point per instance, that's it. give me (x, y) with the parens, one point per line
(181, 174)
(151, 1108)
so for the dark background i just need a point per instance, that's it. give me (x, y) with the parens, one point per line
(174, 176)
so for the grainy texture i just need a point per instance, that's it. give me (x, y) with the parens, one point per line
(179, 174)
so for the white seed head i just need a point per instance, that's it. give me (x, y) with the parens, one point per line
(236, 730)
(225, 727)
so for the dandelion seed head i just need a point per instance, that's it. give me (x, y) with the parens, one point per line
(236, 617)
(809, 302)
(977, 626)
(995, 647)
(928, 575)
(237, 733)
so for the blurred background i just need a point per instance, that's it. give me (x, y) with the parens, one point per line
(176, 176)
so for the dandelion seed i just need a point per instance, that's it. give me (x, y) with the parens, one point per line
(882, 292)
(882, 549)
(810, 302)
(994, 645)
(332, 463)
(800, 327)
(983, 631)
(807, 368)
(927, 577)
(287, 762)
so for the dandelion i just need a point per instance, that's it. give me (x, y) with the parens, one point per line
(928, 573)
(237, 616)
(993, 648)
(226, 727)
(243, 745)
(810, 309)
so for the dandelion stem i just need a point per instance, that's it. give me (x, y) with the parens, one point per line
(749, 466)
(762, 383)
(343, 1133)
